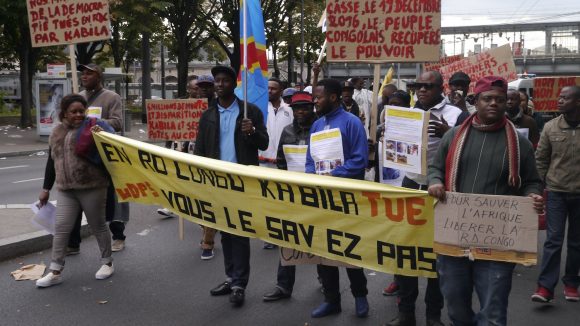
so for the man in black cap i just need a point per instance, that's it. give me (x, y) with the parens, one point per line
(294, 141)
(225, 134)
(459, 87)
(350, 104)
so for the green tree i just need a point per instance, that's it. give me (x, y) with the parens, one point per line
(16, 50)
(223, 28)
(313, 36)
(276, 14)
(188, 33)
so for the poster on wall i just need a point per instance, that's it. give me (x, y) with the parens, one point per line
(48, 94)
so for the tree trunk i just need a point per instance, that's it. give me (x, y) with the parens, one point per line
(275, 59)
(27, 60)
(146, 75)
(182, 70)
(26, 74)
(308, 72)
(290, 49)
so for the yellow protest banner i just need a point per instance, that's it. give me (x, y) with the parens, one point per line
(361, 223)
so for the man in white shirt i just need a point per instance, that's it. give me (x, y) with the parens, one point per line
(279, 116)
(364, 98)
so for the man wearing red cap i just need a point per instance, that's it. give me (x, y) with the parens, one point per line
(484, 155)
(292, 157)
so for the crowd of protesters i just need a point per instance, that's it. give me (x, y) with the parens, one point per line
(483, 140)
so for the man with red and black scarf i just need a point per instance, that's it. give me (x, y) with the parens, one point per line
(484, 155)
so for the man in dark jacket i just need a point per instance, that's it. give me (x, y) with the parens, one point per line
(521, 120)
(224, 134)
(294, 142)
(349, 103)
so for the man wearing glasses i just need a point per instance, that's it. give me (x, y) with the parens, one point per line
(443, 116)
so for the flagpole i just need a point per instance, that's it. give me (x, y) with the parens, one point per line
(245, 78)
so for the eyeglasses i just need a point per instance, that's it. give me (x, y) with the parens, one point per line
(427, 86)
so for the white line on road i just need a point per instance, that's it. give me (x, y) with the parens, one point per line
(14, 167)
(21, 181)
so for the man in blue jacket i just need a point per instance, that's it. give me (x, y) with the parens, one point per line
(224, 134)
(349, 163)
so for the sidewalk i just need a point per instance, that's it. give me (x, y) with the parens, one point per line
(20, 142)
(18, 236)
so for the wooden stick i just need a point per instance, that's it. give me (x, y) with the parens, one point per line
(180, 223)
(73, 68)
(374, 104)
(322, 51)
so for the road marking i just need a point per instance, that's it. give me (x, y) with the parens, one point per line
(21, 181)
(14, 167)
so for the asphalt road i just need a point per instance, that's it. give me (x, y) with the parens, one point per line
(21, 179)
(160, 280)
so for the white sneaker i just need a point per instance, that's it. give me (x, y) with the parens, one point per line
(104, 272)
(49, 279)
(167, 213)
(118, 245)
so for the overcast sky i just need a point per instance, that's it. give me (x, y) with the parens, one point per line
(497, 12)
(491, 12)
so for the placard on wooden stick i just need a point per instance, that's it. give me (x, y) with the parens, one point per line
(68, 21)
(487, 227)
(174, 119)
(547, 90)
(496, 62)
(378, 31)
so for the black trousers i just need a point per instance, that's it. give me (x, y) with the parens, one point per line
(331, 282)
(286, 277)
(236, 259)
(409, 285)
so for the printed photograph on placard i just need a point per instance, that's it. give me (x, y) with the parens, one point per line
(405, 131)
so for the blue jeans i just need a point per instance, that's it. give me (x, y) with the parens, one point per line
(561, 206)
(492, 281)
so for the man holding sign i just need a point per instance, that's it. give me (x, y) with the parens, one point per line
(338, 148)
(485, 155)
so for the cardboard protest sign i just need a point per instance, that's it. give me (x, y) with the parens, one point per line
(547, 90)
(290, 257)
(487, 227)
(379, 31)
(364, 224)
(68, 21)
(496, 62)
(174, 119)
(430, 66)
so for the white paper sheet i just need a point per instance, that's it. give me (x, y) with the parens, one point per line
(403, 148)
(44, 216)
(326, 150)
(295, 157)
